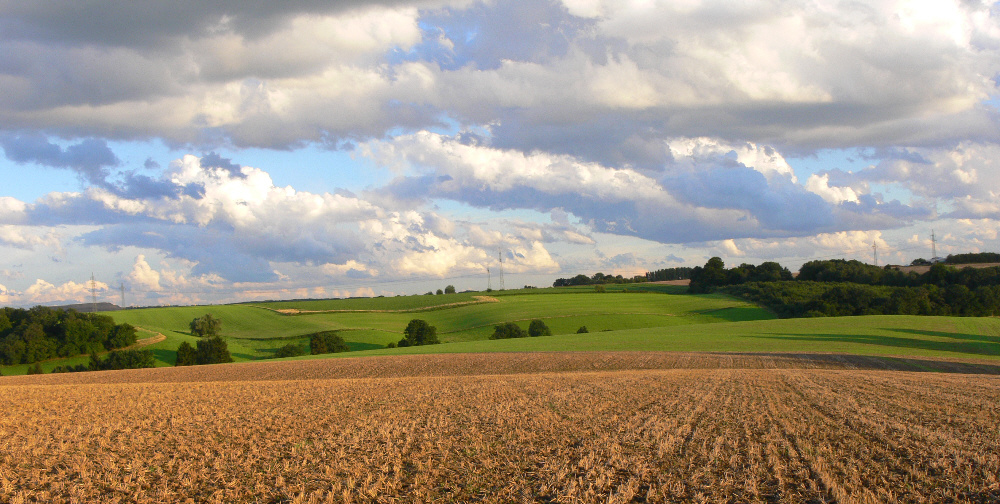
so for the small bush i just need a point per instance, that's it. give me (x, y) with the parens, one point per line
(36, 369)
(392, 344)
(582, 330)
(600, 288)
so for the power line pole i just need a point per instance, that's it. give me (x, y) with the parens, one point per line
(500, 256)
(93, 293)
(122, 287)
(489, 280)
(933, 247)
(875, 248)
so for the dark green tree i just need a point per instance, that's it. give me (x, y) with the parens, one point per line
(582, 330)
(206, 326)
(327, 342)
(122, 336)
(185, 355)
(418, 332)
(213, 350)
(708, 278)
(508, 330)
(538, 328)
(36, 369)
(449, 289)
(95, 364)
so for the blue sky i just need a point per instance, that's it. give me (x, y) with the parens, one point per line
(197, 153)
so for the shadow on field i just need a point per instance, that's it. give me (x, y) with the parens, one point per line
(357, 346)
(875, 363)
(972, 345)
(480, 364)
(995, 340)
(164, 355)
(738, 314)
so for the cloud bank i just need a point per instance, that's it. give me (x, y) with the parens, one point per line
(555, 133)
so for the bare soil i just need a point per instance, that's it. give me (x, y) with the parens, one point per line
(557, 427)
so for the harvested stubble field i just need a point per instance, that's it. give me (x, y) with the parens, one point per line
(739, 428)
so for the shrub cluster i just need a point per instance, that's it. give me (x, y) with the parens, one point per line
(597, 278)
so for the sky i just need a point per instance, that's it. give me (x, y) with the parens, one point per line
(211, 152)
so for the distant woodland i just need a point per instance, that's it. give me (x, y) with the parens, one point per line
(41, 333)
(839, 287)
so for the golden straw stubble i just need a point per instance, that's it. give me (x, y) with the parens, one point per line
(682, 435)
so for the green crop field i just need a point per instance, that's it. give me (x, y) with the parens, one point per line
(633, 320)
(903, 335)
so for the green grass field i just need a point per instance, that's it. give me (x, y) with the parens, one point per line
(654, 319)
(903, 335)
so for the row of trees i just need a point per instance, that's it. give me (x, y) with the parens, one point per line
(450, 289)
(715, 275)
(41, 333)
(662, 275)
(597, 278)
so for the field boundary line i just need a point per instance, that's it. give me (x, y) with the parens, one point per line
(295, 311)
(570, 316)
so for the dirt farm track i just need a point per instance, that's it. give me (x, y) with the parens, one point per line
(558, 427)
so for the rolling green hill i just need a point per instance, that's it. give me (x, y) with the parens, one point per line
(617, 320)
(255, 331)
